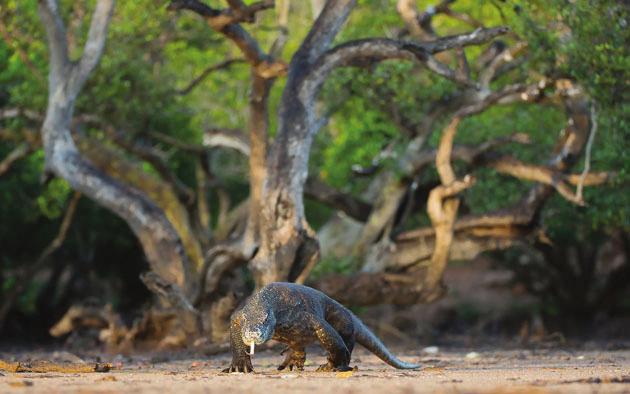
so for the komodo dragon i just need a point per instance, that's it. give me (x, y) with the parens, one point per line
(299, 315)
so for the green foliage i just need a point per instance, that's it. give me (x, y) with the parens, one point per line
(588, 42)
(53, 200)
(326, 266)
(152, 53)
(494, 191)
(357, 140)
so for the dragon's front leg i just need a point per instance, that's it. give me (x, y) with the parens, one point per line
(241, 361)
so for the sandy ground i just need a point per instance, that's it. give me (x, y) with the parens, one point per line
(514, 371)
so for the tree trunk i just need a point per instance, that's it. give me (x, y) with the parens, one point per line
(160, 241)
(287, 243)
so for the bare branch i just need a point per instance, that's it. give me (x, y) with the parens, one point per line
(367, 288)
(587, 157)
(226, 23)
(219, 260)
(194, 6)
(546, 175)
(323, 32)
(174, 142)
(470, 153)
(221, 19)
(507, 95)
(508, 55)
(10, 113)
(328, 195)
(421, 24)
(476, 37)
(56, 33)
(443, 156)
(421, 27)
(463, 68)
(226, 64)
(440, 193)
(310, 264)
(226, 138)
(461, 76)
(283, 29)
(146, 153)
(441, 207)
(511, 166)
(202, 215)
(409, 14)
(591, 179)
(97, 35)
(466, 18)
(20, 152)
(168, 291)
(213, 138)
(246, 13)
(378, 49)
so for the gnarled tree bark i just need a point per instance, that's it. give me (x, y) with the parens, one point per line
(284, 231)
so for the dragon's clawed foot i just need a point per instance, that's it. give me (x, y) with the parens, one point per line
(295, 359)
(243, 364)
(330, 367)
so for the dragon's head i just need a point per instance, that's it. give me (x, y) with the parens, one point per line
(258, 326)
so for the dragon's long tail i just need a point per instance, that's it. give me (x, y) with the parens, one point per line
(371, 342)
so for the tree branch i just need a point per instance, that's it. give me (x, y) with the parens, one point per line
(219, 260)
(20, 152)
(247, 13)
(323, 32)
(366, 288)
(510, 166)
(177, 298)
(10, 113)
(378, 49)
(97, 35)
(161, 242)
(488, 74)
(146, 153)
(216, 67)
(227, 138)
(221, 19)
(441, 207)
(175, 143)
(56, 33)
(226, 23)
(421, 24)
(328, 195)
(587, 157)
(473, 234)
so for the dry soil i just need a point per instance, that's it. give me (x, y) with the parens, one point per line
(502, 371)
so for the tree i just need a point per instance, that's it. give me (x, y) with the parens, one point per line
(195, 265)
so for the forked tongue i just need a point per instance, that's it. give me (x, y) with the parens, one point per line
(251, 349)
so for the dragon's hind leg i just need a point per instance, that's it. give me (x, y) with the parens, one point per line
(295, 358)
(331, 341)
(343, 323)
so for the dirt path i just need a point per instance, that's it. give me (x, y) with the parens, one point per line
(556, 371)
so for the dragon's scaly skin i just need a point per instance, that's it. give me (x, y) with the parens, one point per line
(299, 315)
